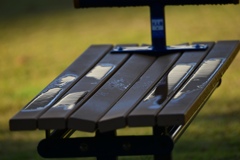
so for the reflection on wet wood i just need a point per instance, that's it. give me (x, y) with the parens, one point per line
(103, 92)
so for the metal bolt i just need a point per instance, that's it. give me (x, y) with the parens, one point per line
(84, 147)
(126, 146)
(198, 46)
(119, 48)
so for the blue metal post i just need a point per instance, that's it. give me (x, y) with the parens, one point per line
(158, 27)
(159, 38)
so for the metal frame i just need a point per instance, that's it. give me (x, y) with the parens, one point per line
(106, 145)
(158, 36)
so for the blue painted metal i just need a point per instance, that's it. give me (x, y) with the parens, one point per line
(158, 34)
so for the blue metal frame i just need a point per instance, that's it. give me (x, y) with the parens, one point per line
(158, 33)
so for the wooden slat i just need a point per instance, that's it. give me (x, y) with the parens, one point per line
(115, 118)
(55, 117)
(201, 84)
(26, 119)
(145, 113)
(86, 117)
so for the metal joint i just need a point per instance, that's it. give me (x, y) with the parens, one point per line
(158, 36)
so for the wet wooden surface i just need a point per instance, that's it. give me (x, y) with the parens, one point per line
(104, 91)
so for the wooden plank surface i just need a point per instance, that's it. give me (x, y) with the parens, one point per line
(87, 116)
(145, 113)
(110, 91)
(201, 84)
(26, 119)
(115, 118)
(55, 117)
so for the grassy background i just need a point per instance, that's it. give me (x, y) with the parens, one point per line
(39, 39)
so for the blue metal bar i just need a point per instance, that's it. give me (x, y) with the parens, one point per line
(158, 27)
(158, 35)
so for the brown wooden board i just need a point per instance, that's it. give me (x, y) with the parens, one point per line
(145, 113)
(55, 117)
(115, 118)
(201, 84)
(87, 116)
(137, 91)
(26, 119)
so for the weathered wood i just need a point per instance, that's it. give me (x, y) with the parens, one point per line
(56, 116)
(145, 113)
(87, 116)
(133, 90)
(115, 118)
(201, 84)
(26, 119)
(107, 91)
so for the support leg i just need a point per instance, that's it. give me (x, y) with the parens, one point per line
(158, 131)
(102, 135)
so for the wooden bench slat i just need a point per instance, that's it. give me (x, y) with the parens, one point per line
(55, 117)
(110, 91)
(115, 118)
(145, 113)
(26, 119)
(200, 86)
(86, 117)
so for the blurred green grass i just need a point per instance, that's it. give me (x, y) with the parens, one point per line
(39, 39)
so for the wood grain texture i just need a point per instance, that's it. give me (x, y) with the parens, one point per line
(201, 84)
(103, 91)
(26, 119)
(87, 116)
(145, 113)
(56, 116)
(115, 118)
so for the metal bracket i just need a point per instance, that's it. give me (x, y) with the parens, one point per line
(158, 33)
(107, 145)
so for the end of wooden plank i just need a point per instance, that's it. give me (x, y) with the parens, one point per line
(22, 124)
(200, 86)
(26, 119)
(105, 125)
(81, 124)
